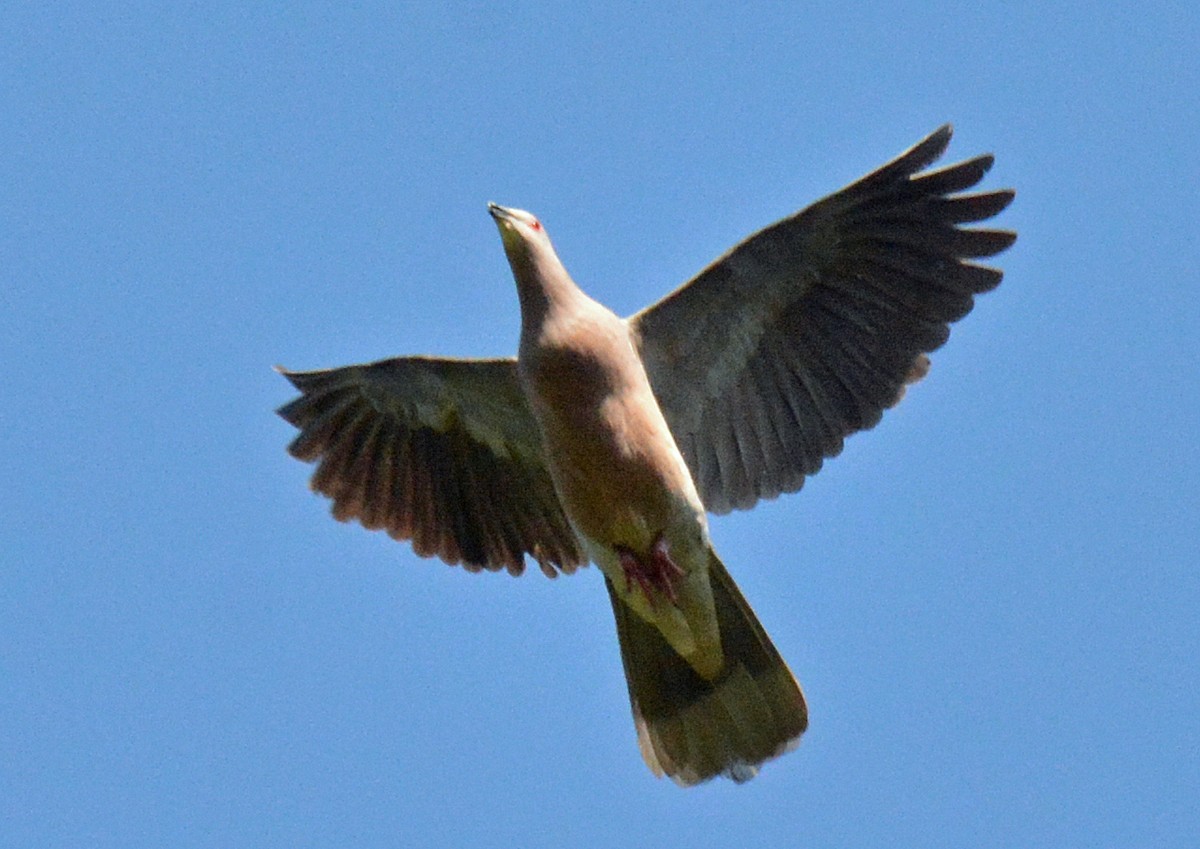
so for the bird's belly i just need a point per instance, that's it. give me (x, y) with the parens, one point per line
(617, 470)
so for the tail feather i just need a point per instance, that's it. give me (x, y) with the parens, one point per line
(692, 728)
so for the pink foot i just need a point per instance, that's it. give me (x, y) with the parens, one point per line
(655, 574)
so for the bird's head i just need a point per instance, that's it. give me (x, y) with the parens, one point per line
(522, 233)
(540, 276)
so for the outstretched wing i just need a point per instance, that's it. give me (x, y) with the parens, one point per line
(441, 452)
(806, 331)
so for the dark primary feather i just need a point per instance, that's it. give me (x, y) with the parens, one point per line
(809, 329)
(444, 453)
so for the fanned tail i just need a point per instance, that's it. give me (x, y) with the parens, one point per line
(692, 728)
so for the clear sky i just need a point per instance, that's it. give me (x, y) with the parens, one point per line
(991, 599)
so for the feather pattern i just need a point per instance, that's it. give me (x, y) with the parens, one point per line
(822, 315)
(444, 453)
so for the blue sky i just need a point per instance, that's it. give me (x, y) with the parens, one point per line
(991, 599)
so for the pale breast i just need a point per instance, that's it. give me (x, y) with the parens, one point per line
(611, 455)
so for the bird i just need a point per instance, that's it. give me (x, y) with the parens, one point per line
(609, 440)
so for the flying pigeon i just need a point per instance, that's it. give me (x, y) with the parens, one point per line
(608, 439)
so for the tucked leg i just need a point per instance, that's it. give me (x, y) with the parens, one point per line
(655, 573)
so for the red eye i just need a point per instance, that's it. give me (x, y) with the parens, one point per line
(537, 225)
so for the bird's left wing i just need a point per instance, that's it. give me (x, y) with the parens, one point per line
(807, 330)
(441, 452)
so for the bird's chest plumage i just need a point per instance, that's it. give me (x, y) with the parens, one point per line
(613, 459)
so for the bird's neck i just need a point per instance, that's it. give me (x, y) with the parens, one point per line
(544, 289)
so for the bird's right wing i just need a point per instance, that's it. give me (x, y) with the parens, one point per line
(442, 452)
(806, 331)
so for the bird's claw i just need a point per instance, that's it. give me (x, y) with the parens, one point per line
(655, 574)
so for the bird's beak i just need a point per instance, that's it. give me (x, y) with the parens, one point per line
(506, 222)
(498, 212)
